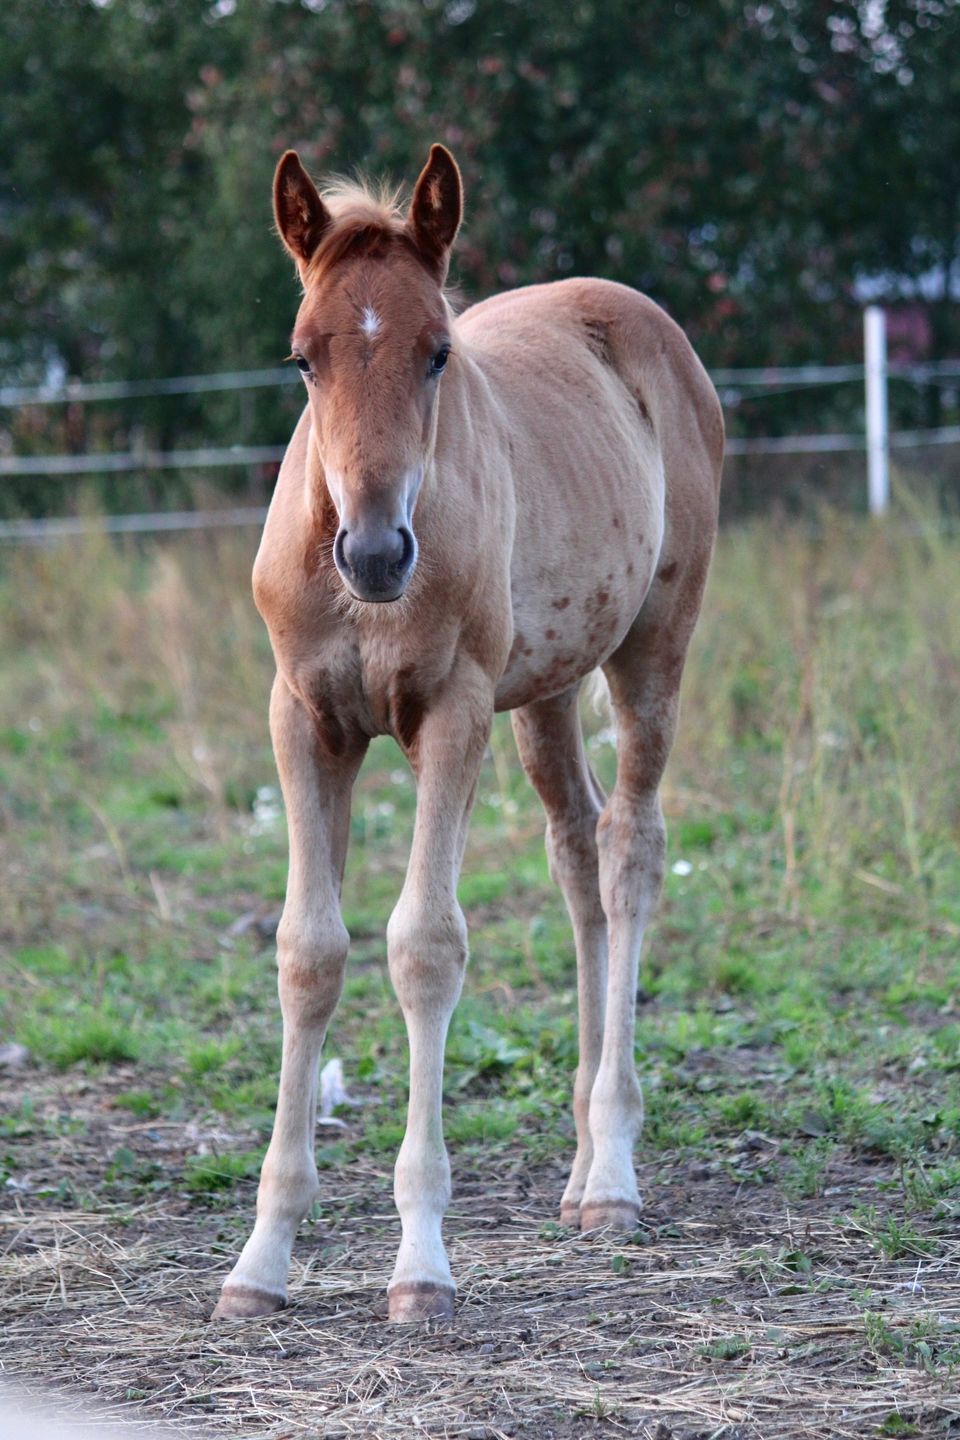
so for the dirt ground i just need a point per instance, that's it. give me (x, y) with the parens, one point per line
(729, 1313)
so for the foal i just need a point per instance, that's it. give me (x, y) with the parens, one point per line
(473, 514)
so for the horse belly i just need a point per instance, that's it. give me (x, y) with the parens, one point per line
(577, 589)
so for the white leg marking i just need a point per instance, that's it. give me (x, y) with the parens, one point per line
(427, 961)
(631, 844)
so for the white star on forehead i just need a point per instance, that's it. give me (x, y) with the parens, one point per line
(370, 322)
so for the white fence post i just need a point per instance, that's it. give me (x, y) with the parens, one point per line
(878, 434)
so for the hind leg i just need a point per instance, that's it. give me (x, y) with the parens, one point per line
(644, 677)
(551, 748)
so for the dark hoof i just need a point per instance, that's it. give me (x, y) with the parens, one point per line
(414, 1300)
(618, 1216)
(244, 1302)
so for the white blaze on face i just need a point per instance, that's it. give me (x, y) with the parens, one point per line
(370, 322)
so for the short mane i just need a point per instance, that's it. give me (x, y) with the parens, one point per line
(368, 220)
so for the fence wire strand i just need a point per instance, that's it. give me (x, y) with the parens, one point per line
(772, 379)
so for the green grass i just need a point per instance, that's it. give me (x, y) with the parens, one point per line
(932, 1346)
(80, 1034)
(798, 984)
(726, 1347)
(206, 1174)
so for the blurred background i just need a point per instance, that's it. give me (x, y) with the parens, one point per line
(768, 172)
(762, 170)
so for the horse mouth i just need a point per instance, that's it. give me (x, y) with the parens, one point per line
(369, 596)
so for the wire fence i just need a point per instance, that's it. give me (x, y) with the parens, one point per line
(732, 384)
(111, 462)
(15, 395)
(153, 522)
(922, 373)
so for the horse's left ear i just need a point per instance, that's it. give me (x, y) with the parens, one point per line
(436, 209)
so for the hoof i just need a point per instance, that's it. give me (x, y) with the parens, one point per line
(570, 1216)
(415, 1300)
(244, 1302)
(620, 1216)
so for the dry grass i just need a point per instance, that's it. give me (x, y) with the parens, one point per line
(732, 1316)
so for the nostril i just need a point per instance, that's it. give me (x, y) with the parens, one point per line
(409, 546)
(340, 556)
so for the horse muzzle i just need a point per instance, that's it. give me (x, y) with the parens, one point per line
(375, 562)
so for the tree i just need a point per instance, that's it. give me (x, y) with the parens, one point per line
(750, 165)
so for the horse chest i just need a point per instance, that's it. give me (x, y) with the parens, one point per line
(353, 689)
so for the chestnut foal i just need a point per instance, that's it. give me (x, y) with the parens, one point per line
(473, 514)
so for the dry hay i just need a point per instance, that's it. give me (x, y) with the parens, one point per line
(692, 1331)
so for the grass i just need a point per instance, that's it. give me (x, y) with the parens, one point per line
(797, 1032)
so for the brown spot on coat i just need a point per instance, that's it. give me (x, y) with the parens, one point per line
(517, 648)
(562, 603)
(667, 573)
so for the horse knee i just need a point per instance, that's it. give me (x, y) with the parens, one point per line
(426, 953)
(311, 958)
(631, 845)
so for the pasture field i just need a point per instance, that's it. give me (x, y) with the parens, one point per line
(796, 1269)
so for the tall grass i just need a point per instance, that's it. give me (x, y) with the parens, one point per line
(819, 714)
(824, 680)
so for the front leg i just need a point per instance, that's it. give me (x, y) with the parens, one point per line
(427, 951)
(311, 955)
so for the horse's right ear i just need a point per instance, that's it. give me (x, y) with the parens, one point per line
(302, 218)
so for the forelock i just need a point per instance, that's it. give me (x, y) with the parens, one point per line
(368, 222)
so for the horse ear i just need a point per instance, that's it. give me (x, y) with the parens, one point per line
(436, 209)
(302, 218)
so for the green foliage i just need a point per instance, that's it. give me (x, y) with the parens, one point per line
(206, 1174)
(706, 155)
(142, 1103)
(726, 1347)
(894, 1238)
(83, 1034)
(896, 1424)
(931, 1345)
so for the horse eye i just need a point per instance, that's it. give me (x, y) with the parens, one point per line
(439, 360)
(303, 365)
